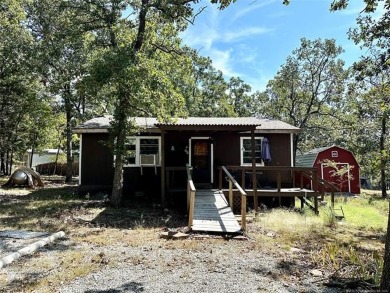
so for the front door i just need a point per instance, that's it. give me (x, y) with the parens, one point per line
(201, 160)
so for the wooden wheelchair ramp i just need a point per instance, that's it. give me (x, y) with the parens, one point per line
(212, 213)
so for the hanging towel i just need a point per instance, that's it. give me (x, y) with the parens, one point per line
(265, 150)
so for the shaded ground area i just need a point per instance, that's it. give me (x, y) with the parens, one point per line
(119, 250)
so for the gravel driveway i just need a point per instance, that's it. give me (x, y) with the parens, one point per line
(228, 267)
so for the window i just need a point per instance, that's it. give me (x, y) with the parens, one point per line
(335, 154)
(130, 152)
(142, 151)
(246, 151)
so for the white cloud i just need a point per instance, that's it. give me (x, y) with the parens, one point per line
(200, 38)
(232, 36)
(253, 5)
(222, 60)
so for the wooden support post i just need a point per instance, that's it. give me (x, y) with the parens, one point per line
(167, 179)
(231, 194)
(243, 178)
(220, 178)
(316, 203)
(254, 177)
(188, 197)
(243, 212)
(162, 167)
(279, 186)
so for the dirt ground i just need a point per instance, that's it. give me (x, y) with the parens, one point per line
(101, 242)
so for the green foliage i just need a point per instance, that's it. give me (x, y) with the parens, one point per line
(341, 173)
(306, 91)
(244, 104)
(22, 102)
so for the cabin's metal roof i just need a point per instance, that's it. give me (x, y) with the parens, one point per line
(213, 121)
(102, 124)
(269, 126)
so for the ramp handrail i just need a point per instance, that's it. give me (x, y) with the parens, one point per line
(232, 182)
(190, 196)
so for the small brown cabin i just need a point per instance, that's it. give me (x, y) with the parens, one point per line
(156, 157)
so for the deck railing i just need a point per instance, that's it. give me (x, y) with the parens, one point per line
(277, 170)
(233, 182)
(322, 183)
(190, 196)
(280, 177)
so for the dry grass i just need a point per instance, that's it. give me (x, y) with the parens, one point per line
(47, 274)
(92, 228)
(352, 248)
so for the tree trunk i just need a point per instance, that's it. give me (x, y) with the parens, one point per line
(120, 131)
(385, 282)
(120, 117)
(68, 110)
(2, 163)
(7, 164)
(383, 157)
(31, 157)
(116, 194)
(11, 162)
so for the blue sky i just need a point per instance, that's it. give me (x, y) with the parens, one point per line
(251, 39)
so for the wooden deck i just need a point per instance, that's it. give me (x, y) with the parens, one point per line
(212, 213)
(274, 192)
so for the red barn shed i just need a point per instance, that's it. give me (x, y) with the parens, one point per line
(341, 157)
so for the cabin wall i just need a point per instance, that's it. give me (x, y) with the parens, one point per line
(227, 153)
(97, 162)
(98, 169)
(280, 145)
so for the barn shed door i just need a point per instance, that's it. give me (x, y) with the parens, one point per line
(343, 181)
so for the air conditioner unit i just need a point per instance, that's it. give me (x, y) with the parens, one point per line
(148, 160)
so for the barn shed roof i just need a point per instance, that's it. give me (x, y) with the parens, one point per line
(307, 159)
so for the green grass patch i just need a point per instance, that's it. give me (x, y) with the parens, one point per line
(351, 248)
(368, 212)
